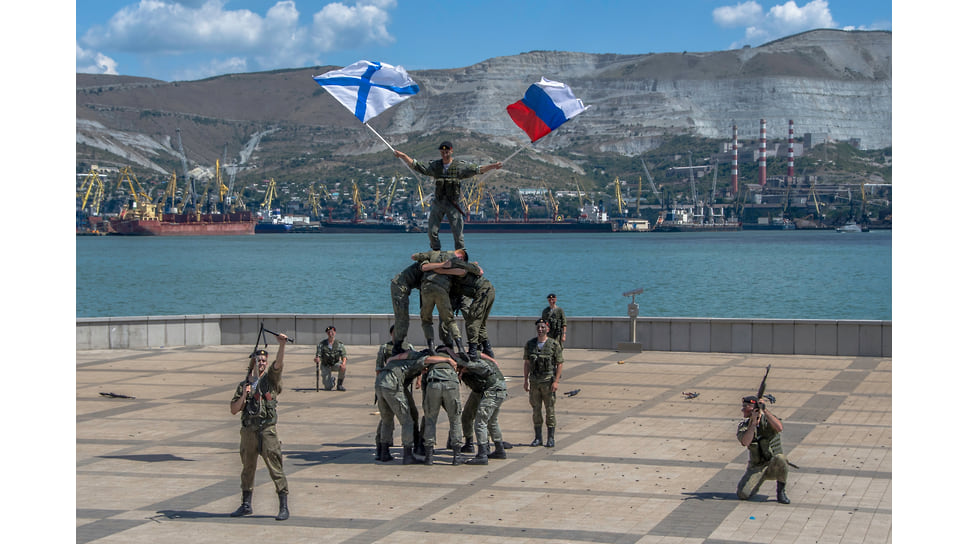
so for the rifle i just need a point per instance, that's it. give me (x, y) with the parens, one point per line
(760, 392)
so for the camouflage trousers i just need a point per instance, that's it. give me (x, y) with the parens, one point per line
(400, 295)
(438, 210)
(393, 403)
(433, 296)
(437, 395)
(485, 419)
(475, 319)
(776, 469)
(265, 442)
(540, 394)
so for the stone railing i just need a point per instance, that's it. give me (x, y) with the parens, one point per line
(766, 336)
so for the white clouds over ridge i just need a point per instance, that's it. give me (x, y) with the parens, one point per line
(248, 41)
(781, 20)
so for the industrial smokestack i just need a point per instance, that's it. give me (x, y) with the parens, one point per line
(762, 152)
(790, 155)
(735, 170)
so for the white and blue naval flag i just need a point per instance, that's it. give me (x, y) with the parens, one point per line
(367, 88)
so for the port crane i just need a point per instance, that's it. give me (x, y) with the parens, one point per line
(189, 183)
(270, 195)
(648, 176)
(314, 202)
(169, 204)
(618, 197)
(357, 203)
(141, 202)
(92, 183)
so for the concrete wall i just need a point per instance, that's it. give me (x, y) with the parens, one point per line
(767, 336)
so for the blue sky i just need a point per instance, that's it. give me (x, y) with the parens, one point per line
(194, 39)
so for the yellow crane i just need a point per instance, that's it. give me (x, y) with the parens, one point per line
(497, 209)
(357, 203)
(552, 204)
(270, 195)
(92, 183)
(618, 197)
(314, 202)
(524, 205)
(388, 209)
(143, 208)
(170, 194)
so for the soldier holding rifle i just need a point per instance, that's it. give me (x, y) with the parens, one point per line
(760, 432)
(255, 398)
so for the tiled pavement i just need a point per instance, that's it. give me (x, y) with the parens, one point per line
(636, 461)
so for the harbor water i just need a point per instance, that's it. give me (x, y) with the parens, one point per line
(745, 274)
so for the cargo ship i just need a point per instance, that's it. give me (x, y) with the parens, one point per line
(682, 219)
(533, 226)
(183, 224)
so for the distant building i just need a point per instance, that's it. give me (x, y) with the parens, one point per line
(813, 139)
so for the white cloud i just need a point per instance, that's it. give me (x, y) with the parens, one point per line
(92, 62)
(738, 15)
(242, 38)
(781, 19)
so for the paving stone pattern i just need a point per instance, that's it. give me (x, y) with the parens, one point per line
(635, 462)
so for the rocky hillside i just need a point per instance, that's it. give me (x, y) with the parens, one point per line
(826, 81)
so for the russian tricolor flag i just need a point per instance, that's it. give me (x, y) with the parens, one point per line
(546, 106)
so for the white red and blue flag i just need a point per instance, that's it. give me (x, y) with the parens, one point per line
(546, 106)
(367, 88)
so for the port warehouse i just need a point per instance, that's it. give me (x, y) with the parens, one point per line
(842, 338)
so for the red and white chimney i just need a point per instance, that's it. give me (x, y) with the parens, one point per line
(790, 154)
(762, 152)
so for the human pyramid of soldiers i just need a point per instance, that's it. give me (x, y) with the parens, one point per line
(450, 282)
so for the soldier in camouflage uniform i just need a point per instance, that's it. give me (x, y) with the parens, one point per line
(400, 288)
(557, 322)
(385, 352)
(760, 432)
(542, 371)
(441, 389)
(258, 433)
(486, 380)
(435, 293)
(471, 284)
(331, 355)
(396, 376)
(447, 175)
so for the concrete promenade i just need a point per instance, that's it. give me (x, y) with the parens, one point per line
(636, 461)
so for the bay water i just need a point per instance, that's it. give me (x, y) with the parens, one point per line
(745, 274)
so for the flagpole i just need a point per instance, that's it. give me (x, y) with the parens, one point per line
(511, 156)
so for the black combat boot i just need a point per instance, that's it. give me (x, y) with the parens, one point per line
(537, 436)
(431, 346)
(245, 508)
(428, 454)
(472, 350)
(498, 452)
(339, 385)
(457, 459)
(460, 345)
(468, 446)
(397, 348)
(781, 496)
(551, 438)
(408, 458)
(385, 453)
(486, 348)
(283, 507)
(481, 457)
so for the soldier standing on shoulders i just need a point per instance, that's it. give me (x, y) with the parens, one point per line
(447, 175)
(543, 362)
(557, 322)
(760, 432)
(331, 355)
(258, 434)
